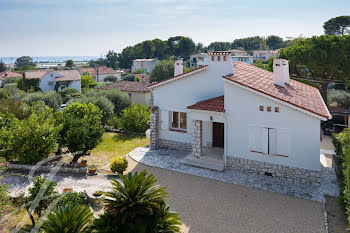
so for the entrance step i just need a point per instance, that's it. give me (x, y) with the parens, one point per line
(204, 162)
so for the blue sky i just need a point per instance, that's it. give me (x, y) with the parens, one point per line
(92, 27)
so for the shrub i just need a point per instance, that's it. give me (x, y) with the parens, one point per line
(119, 165)
(87, 81)
(67, 93)
(339, 98)
(9, 80)
(81, 128)
(50, 98)
(139, 71)
(110, 78)
(4, 94)
(129, 77)
(71, 198)
(119, 99)
(135, 118)
(11, 88)
(20, 109)
(113, 122)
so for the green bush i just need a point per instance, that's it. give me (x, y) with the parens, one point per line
(11, 88)
(20, 109)
(71, 199)
(119, 165)
(113, 122)
(87, 81)
(339, 98)
(139, 71)
(50, 98)
(119, 99)
(67, 93)
(4, 94)
(129, 77)
(9, 80)
(110, 78)
(135, 118)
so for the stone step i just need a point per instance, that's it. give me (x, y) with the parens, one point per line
(217, 165)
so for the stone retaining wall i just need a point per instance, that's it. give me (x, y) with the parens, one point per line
(175, 145)
(297, 175)
(197, 138)
(154, 127)
(46, 168)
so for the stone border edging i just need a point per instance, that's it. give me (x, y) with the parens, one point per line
(46, 168)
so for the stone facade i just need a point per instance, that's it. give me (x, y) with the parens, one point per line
(297, 175)
(174, 145)
(197, 138)
(154, 127)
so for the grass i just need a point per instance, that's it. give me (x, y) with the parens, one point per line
(15, 219)
(112, 145)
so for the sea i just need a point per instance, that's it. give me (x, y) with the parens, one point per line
(51, 59)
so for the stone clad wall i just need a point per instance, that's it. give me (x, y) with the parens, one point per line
(197, 138)
(154, 127)
(174, 145)
(297, 175)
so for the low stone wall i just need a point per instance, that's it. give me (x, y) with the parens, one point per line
(174, 145)
(46, 168)
(297, 175)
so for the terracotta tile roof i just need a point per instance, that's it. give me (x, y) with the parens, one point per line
(102, 70)
(36, 74)
(10, 74)
(298, 94)
(68, 75)
(128, 86)
(143, 78)
(177, 76)
(215, 104)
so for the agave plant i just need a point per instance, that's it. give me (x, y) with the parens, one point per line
(68, 219)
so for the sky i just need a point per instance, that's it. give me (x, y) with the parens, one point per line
(93, 27)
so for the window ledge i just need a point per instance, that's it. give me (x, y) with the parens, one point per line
(259, 152)
(177, 130)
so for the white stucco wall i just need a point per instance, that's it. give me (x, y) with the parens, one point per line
(178, 95)
(242, 111)
(44, 81)
(140, 97)
(101, 77)
(76, 85)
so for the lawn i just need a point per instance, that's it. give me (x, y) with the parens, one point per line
(114, 144)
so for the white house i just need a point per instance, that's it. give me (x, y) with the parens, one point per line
(201, 59)
(146, 64)
(198, 60)
(264, 54)
(237, 116)
(51, 80)
(100, 73)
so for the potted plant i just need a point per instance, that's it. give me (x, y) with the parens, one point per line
(83, 163)
(119, 165)
(92, 169)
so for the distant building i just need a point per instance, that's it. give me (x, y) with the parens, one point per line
(201, 59)
(51, 80)
(198, 60)
(146, 64)
(100, 73)
(264, 54)
(6, 74)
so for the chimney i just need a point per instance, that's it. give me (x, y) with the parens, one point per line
(179, 67)
(281, 72)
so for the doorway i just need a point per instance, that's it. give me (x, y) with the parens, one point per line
(218, 134)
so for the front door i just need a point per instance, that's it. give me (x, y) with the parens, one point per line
(218, 134)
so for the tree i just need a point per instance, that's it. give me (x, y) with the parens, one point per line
(119, 99)
(135, 118)
(68, 219)
(137, 205)
(219, 46)
(185, 47)
(2, 67)
(339, 98)
(162, 70)
(139, 71)
(87, 81)
(70, 63)
(67, 93)
(274, 42)
(112, 59)
(337, 26)
(24, 61)
(129, 77)
(200, 48)
(324, 58)
(98, 62)
(4, 94)
(110, 78)
(248, 43)
(8, 80)
(81, 128)
(50, 98)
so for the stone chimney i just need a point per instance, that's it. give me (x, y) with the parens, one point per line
(179, 67)
(281, 72)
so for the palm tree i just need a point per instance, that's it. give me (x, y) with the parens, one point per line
(72, 219)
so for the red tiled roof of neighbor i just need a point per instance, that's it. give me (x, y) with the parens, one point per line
(199, 68)
(215, 104)
(102, 70)
(68, 75)
(298, 94)
(10, 74)
(36, 74)
(128, 86)
(144, 78)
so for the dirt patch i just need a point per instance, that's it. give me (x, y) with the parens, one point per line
(337, 221)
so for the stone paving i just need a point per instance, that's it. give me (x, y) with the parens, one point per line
(169, 159)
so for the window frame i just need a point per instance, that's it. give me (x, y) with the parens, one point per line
(178, 128)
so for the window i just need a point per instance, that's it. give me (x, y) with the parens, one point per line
(225, 58)
(277, 109)
(129, 94)
(212, 58)
(50, 83)
(179, 120)
(268, 108)
(261, 108)
(269, 141)
(218, 58)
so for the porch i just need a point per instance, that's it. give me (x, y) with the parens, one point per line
(211, 158)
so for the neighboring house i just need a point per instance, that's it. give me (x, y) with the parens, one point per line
(340, 117)
(201, 59)
(146, 64)
(237, 116)
(264, 54)
(198, 60)
(137, 91)
(5, 74)
(100, 73)
(51, 80)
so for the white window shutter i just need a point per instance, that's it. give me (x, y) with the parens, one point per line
(273, 141)
(164, 118)
(265, 140)
(282, 142)
(258, 138)
(251, 133)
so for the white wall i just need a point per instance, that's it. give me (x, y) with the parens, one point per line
(76, 85)
(140, 97)
(101, 77)
(242, 110)
(178, 95)
(44, 81)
